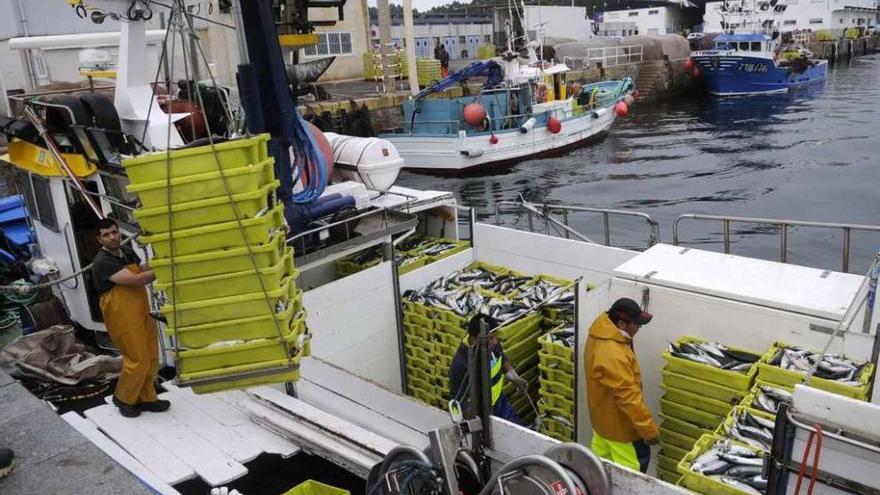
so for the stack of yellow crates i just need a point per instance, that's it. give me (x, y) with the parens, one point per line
(698, 398)
(557, 382)
(217, 237)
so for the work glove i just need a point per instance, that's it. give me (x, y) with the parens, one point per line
(518, 381)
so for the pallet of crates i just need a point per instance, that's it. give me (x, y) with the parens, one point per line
(698, 396)
(519, 339)
(217, 236)
(428, 71)
(556, 384)
(775, 367)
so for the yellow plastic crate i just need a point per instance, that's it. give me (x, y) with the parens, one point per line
(691, 415)
(730, 379)
(673, 452)
(221, 261)
(559, 403)
(218, 236)
(228, 308)
(552, 348)
(235, 153)
(749, 400)
(703, 388)
(229, 284)
(698, 482)
(560, 376)
(232, 355)
(555, 387)
(205, 211)
(788, 378)
(202, 186)
(288, 371)
(416, 319)
(558, 430)
(697, 401)
(724, 428)
(683, 427)
(667, 463)
(311, 487)
(668, 437)
(292, 319)
(668, 476)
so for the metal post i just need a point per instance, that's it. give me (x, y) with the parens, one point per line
(389, 255)
(472, 223)
(480, 396)
(846, 241)
(565, 221)
(531, 223)
(783, 248)
(385, 45)
(546, 213)
(607, 228)
(577, 325)
(726, 236)
(243, 56)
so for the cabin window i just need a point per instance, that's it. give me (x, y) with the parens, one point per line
(756, 46)
(653, 12)
(24, 185)
(816, 21)
(330, 44)
(744, 46)
(45, 206)
(633, 14)
(790, 22)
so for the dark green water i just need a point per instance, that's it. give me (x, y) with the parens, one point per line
(812, 154)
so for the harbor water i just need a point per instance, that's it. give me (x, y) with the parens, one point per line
(811, 154)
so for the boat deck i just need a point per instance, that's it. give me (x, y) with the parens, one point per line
(44, 443)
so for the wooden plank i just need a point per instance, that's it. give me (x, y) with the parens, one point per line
(140, 445)
(112, 449)
(236, 418)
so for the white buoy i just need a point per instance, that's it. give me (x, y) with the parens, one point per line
(527, 125)
(374, 162)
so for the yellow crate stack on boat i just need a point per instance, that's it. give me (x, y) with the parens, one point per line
(229, 282)
(698, 397)
(556, 387)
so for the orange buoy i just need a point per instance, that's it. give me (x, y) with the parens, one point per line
(696, 73)
(474, 114)
(688, 64)
(554, 125)
(493, 139)
(621, 109)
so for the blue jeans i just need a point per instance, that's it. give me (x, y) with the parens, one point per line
(504, 410)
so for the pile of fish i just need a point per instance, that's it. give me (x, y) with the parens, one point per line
(467, 301)
(542, 292)
(733, 465)
(768, 399)
(715, 355)
(438, 249)
(751, 430)
(829, 366)
(563, 337)
(503, 284)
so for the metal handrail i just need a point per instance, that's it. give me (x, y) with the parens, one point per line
(783, 225)
(546, 211)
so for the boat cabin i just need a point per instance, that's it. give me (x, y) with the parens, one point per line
(745, 42)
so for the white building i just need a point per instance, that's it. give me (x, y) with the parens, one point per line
(814, 15)
(461, 39)
(652, 20)
(557, 22)
(346, 40)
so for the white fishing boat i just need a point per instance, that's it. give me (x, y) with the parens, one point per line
(354, 403)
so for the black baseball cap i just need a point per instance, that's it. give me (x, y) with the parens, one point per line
(627, 310)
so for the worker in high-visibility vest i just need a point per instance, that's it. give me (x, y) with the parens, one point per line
(121, 279)
(499, 368)
(623, 428)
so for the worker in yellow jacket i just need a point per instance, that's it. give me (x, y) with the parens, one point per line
(623, 427)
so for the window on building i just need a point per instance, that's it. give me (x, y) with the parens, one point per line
(756, 46)
(790, 22)
(633, 14)
(330, 44)
(653, 12)
(817, 20)
(487, 38)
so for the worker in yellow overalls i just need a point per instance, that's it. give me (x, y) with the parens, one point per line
(120, 279)
(623, 428)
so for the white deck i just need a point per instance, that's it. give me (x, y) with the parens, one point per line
(799, 289)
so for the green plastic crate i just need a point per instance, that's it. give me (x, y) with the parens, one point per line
(311, 487)
(235, 153)
(703, 388)
(239, 180)
(560, 376)
(669, 437)
(730, 379)
(673, 452)
(691, 415)
(749, 400)
(683, 427)
(668, 476)
(697, 401)
(555, 349)
(698, 482)
(233, 355)
(221, 261)
(667, 463)
(724, 428)
(775, 374)
(255, 231)
(557, 429)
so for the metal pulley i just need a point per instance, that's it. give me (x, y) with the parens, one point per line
(568, 468)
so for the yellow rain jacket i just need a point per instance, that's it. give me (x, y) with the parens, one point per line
(614, 386)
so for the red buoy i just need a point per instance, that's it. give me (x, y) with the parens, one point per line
(621, 109)
(688, 64)
(696, 73)
(474, 114)
(493, 139)
(554, 125)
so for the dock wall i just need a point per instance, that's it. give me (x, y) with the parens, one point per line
(845, 49)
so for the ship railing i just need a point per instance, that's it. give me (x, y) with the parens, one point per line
(606, 56)
(783, 226)
(504, 122)
(556, 220)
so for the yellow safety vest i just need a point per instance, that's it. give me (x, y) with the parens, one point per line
(496, 374)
